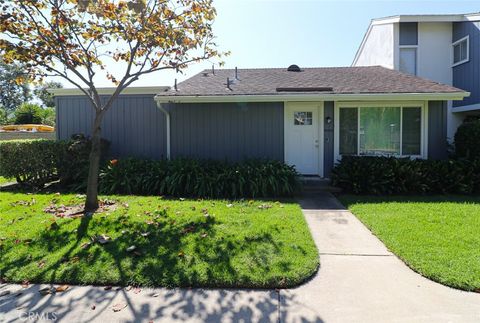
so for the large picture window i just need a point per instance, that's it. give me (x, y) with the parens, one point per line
(380, 131)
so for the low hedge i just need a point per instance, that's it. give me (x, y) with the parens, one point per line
(199, 178)
(390, 175)
(37, 162)
(31, 162)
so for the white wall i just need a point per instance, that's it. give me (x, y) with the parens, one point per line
(434, 51)
(435, 61)
(378, 47)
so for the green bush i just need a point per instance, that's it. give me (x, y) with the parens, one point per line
(30, 162)
(390, 175)
(36, 162)
(199, 178)
(467, 139)
(73, 163)
(29, 113)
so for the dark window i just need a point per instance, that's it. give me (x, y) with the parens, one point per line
(348, 131)
(408, 33)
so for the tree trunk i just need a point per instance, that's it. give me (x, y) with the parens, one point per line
(91, 203)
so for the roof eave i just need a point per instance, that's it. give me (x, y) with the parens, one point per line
(110, 90)
(446, 96)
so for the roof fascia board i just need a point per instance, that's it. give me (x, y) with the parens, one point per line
(110, 90)
(313, 97)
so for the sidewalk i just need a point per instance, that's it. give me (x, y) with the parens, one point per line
(359, 280)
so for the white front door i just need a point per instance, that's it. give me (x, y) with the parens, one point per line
(303, 140)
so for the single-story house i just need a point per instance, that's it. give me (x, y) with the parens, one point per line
(307, 117)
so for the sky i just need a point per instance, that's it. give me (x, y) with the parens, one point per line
(278, 33)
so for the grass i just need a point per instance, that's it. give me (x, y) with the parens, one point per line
(437, 236)
(4, 180)
(190, 243)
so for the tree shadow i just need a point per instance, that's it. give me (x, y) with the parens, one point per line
(159, 305)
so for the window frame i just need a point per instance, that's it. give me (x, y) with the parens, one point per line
(458, 42)
(415, 47)
(396, 104)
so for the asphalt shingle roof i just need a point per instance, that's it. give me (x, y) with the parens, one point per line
(340, 80)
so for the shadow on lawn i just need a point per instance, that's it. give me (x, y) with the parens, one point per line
(158, 260)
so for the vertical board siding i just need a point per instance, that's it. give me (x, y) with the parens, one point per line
(227, 131)
(408, 33)
(466, 76)
(437, 130)
(328, 157)
(133, 125)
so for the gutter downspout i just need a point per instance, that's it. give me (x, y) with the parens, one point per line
(167, 116)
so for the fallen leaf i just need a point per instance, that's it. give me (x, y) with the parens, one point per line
(103, 239)
(145, 234)
(131, 248)
(118, 307)
(230, 205)
(204, 235)
(61, 288)
(181, 254)
(74, 259)
(46, 291)
(182, 199)
(41, 264)
(85, 245)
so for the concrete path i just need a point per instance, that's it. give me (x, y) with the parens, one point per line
(359, 281)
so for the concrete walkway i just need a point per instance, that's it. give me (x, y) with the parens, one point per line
(359, 280)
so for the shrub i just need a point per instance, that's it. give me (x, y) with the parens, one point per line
(29, 113)
(390, 175)
(36, 162)
(73, 161)
(30, 162)
(467, 139)
(199, 178)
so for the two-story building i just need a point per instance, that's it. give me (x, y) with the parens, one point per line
(443, 48)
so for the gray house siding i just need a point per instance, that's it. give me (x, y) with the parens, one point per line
(466, 76)
(408, 33)
(230, 131)
(437, 129)
(134, 125)
(328, 155)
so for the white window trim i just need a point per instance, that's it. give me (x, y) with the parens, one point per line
(467, 38)
(405, 104)
(416, 55)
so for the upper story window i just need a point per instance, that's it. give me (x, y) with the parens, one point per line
(460, 50)
(408, 47)
(408, 60)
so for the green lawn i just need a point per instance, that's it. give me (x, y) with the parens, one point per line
(437, 236)
(208, 243)
(4, 180)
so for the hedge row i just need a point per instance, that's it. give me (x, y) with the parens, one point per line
(199, 178)
(390, 175)
(37, 162)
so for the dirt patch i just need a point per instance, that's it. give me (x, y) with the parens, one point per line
(77, 210)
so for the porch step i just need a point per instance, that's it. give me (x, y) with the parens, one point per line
(312, 184)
